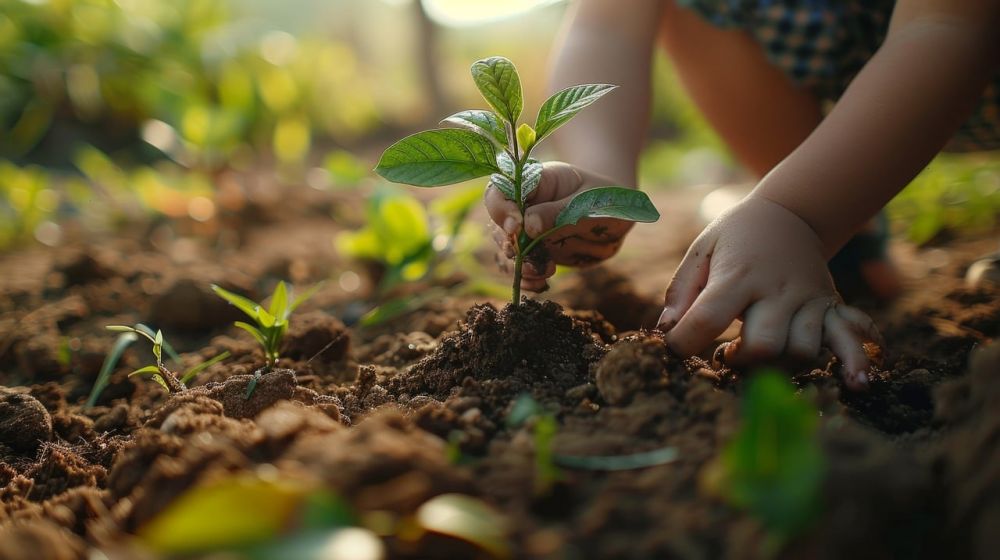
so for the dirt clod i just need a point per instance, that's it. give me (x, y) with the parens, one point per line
(24, 422)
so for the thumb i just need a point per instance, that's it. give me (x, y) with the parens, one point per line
(558, 181)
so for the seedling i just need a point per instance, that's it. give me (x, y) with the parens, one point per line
(124, 340)
(774, 466)
(158, 372)
(271, 323)
(490, 143)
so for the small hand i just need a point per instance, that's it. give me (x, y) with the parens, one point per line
(588, 242)
(761, 262)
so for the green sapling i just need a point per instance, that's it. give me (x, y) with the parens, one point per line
(491, 143)
(159, 372)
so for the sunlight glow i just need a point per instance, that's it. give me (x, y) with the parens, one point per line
(462, 13)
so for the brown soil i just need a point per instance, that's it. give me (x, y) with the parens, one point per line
(378, 415)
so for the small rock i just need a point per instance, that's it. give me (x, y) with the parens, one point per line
(24, 422)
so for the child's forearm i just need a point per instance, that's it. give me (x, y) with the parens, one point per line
(896, 115)
(607, 42)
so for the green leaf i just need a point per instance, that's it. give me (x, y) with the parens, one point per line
(531, 175)
(608, 202)
(151, 370)
(645, 459)
(774, 466)
(258, 336)
(158, 346)
(565, 104)
(525, 137)
(194, 371)
(160, 381)
(279, 301)
(506, 164)
(242, 303)
(485, 123)
(110, 362)
(225, 514)
(148, 333)
(119, 328)
(265, 319)
(438, 157)
(468, 519)
(500, 85)
(310, 292)
(505, 185)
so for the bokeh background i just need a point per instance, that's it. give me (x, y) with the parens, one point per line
(116, 111)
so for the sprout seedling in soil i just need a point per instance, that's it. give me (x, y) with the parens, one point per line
(491, 143)
(124, 340)
(270, 323)
(159, 373)
(774, 465)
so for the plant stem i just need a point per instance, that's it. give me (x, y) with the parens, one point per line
(518, 261)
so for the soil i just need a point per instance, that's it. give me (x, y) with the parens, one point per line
(392, 416)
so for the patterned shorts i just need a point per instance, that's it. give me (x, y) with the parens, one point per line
(823, 44)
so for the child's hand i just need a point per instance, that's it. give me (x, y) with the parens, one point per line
(588, 242)
(761, 262)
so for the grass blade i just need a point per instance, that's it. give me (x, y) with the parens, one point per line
(243, 304)
(110, 362)
(194, 371)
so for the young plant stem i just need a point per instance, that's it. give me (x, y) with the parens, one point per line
(519, 200)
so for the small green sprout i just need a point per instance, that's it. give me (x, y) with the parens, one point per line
(270, 323)
(159, 372)
(435, 158)
(774, 466)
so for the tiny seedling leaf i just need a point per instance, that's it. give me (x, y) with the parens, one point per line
(161, 382)
(434, 158)
(565, 104)
(485, 123)
(505, 185)
(110, 362)
(252, 386)
(148, 333)
(500, 85)
(195, 370)
(242, 303)
(158, 347)
(257, 335)
(265, 319)
(608, 202)
(279, 301)
(146, 370)
(525, 137)
(304, 296)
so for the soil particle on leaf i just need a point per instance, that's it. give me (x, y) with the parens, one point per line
(24, 423)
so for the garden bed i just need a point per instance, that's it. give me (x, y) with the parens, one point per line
(389, 417)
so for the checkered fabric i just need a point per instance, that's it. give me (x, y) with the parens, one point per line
(823, 44)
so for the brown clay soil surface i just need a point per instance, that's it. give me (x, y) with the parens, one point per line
(379, 415)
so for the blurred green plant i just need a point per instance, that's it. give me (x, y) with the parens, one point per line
(187, 76)
(774, 466)
(957, 193)
(305, 520)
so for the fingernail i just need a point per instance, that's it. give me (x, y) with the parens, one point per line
(510, 225)
(666, 320)
(533, 225)
(719, 356)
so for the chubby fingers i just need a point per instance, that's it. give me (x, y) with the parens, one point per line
(688, 281)
(846, 329)
(764, 334)
(711, 313)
